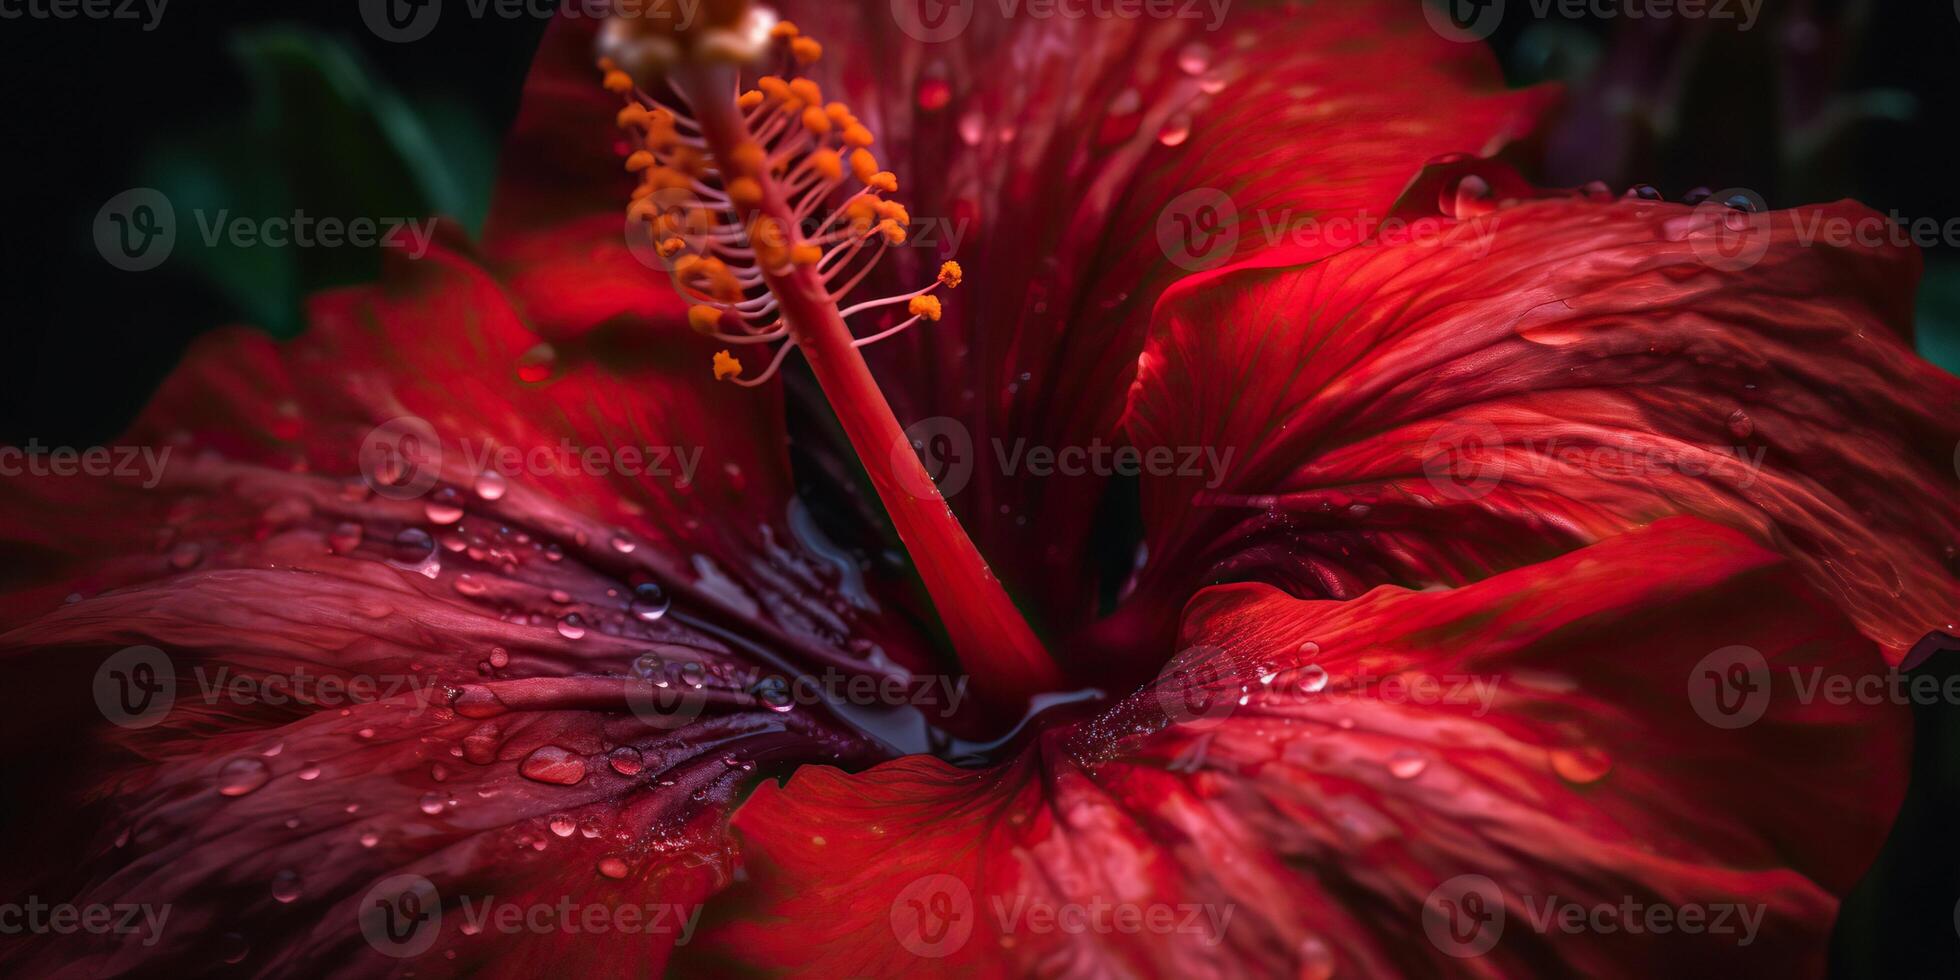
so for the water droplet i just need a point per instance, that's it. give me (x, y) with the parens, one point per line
(368, 837)
(1406, 763)
(233, 948)
(1697, 195)
(623, 544)
(1176, 130)
(650, 601)
(346, 537)
(1581, 765)
(241, 776)
(186, 555)
(1644, 192)
(552, 764)
(1310, 649)
(1194, 58)
(571, 627)
(1470, 197)
(537, 364)
(1741, 425)
(612, 867)
(626, 761)
(499, 657)
(1316, 960)
(1311, 679)
(286, 887)
(468, 584)
(973, 128)
(308, 774)
(433, 803)
(774, 693)
(563, 825)
(365, 733)
(413, 546)
(1740, 202)
(491, 485)
(438, 772)
(445, 506)
(934, 93)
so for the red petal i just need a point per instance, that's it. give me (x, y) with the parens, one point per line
(1326, 809)
(258, 555)
(1550, 375)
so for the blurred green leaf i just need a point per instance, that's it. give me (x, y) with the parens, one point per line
(323, 137)
(1939, 313)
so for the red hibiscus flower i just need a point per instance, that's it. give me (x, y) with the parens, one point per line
(488, 628)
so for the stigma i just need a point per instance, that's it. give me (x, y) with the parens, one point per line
(799, 192)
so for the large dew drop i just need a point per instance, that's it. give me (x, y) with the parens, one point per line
(650, 602)
(241, 776)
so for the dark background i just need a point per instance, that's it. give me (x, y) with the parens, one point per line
(264, 107)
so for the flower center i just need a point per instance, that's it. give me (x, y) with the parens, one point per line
(770, 208)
